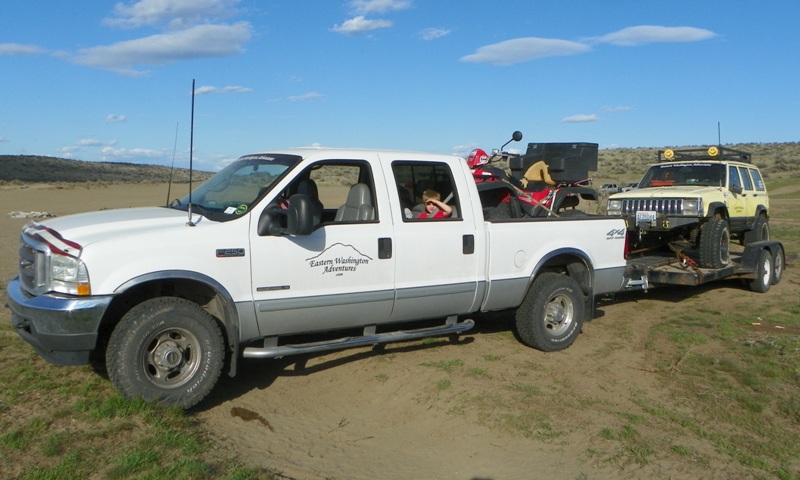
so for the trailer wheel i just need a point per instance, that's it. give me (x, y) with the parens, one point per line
(759, 232)
(764, 273)
(778, 264)
(167, 350)
(715, 241)
(551, 315)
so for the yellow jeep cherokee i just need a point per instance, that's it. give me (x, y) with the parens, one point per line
(695, 201)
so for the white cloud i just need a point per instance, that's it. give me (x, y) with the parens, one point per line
(197, 42)
(89, 142)
(229, 89)
(620, 108)
(433, 33)
(20, 49)
(306, 96)
(364, 7)
(112, 154)
(115, 118)
(644, 34)
(359, 24)
(524, 50)
(175, 13)
(581, 118)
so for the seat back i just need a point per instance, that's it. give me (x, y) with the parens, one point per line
(358, 206)
(309, 188)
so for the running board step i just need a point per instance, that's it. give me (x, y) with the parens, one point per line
(451, 327)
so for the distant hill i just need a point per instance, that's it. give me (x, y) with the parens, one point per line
(40, 169)
(776, 160)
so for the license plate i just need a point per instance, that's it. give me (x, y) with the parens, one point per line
(645, 216)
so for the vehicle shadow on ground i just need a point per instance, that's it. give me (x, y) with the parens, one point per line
(259, 374)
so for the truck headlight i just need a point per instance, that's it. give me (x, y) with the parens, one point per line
(68, 274)
(693, 207)
(614, 207)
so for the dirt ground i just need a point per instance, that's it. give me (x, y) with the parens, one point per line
(439, 410)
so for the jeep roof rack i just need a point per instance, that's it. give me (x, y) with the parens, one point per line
(710, 153)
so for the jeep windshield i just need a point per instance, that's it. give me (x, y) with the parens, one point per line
(703, 174)
(236, 188)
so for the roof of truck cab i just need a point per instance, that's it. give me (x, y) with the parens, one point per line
(346, 153)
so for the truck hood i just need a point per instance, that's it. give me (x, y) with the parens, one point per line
(684, 191)
(83, 229)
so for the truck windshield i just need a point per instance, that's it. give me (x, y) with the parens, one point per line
(236, 188)
(705, 174)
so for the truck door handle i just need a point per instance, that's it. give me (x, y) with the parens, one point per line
(468, 244)
(384, 248)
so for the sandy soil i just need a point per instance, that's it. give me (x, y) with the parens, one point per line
(392, 414)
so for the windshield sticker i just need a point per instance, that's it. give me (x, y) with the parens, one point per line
(680, 165)
(240, 209)
(338, 259)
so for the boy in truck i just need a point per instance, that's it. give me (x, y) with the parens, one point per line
(434, 206)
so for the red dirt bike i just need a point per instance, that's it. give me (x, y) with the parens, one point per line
(534, 191)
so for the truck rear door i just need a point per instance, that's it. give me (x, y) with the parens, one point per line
(436, 259)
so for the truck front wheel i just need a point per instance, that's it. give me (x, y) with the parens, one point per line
(715, 242)
(551, 315)
(167, 350)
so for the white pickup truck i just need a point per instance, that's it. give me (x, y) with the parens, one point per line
(283, 245)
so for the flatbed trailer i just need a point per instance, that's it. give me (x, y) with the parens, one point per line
(761, 264)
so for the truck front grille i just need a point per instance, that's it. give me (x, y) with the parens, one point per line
(666, 206)
(31, 267)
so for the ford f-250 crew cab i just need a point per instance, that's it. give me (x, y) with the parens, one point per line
(282, 245)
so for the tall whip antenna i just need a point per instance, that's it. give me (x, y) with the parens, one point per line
(191, 150)
(172, 167)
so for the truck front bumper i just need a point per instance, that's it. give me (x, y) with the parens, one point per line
(62, 329)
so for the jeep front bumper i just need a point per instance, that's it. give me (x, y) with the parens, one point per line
(657, 222)
(62, 329)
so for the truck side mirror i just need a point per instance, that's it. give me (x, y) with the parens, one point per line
(296, 219)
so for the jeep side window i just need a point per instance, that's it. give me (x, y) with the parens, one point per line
(759, 182)
(733, 181)
(414, 179)
(748, 184)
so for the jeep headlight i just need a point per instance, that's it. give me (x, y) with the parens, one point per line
(614, 207)
(693, 207)
(68, 274)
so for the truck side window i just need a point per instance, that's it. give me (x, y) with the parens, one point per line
(748, 184)
(414, 179)
(344, 190)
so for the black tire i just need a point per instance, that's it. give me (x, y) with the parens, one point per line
(759, 232)
(166, 350)
(715, 242)
(552, 313)
(764, 273)
(778, 265)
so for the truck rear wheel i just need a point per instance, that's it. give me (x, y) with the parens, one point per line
(715, 242)
(166, 350)
(759, 232)
(551, 315)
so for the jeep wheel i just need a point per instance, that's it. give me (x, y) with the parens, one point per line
(759, 232)
(715, 241)
(551, 315)
(764, 273)
(166, 350)
(778, 264)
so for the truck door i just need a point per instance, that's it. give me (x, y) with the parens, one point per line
(337, 276)
(436, 259)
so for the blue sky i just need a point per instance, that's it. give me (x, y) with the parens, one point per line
(112, 81)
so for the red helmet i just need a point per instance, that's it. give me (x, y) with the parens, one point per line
(476, 158)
